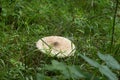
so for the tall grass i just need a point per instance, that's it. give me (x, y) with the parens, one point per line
(87, 23)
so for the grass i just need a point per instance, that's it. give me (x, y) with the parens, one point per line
(87, 23)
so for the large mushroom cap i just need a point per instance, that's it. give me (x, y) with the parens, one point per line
(56, 46)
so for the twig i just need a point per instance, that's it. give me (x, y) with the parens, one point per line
(113, 26)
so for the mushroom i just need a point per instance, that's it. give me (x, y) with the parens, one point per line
(56, 46)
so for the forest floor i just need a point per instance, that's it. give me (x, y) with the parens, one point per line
(88, 24)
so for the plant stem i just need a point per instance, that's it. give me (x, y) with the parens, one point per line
(113, 26)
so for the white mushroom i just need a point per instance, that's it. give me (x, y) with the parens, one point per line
(56, 46)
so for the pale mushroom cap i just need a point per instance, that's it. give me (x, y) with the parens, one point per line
(56, 46)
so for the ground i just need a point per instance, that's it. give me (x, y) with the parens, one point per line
(89, 24)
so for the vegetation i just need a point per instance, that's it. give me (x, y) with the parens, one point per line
(92, 25)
